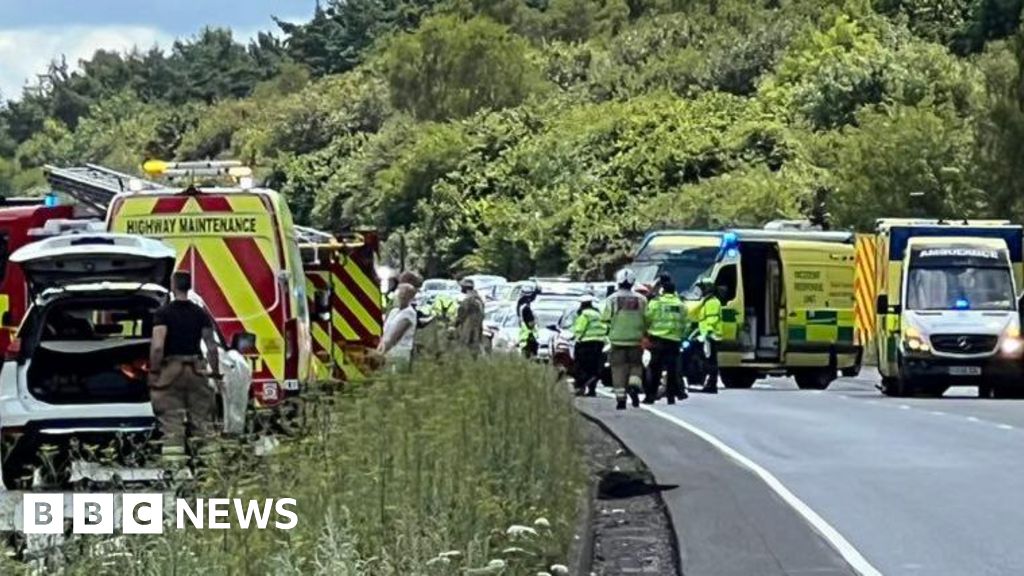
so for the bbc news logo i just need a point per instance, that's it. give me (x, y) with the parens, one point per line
(138, 513)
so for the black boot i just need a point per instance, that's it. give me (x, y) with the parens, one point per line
(634, 395)
(620, 404)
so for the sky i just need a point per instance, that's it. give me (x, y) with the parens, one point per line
(34, 32)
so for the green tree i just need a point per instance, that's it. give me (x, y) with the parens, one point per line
(450, 69)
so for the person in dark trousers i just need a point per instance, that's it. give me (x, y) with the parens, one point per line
(529, 346)
(179, 375)
(710, 332)
(590, 333)
(666, 328)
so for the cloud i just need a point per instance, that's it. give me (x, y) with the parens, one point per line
(25, 52)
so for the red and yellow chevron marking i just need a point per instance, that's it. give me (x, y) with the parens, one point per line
(348, 275)
(865, 289)
(231, 245)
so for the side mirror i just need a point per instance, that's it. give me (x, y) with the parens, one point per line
(244, 342)
(882, 304)
(322, 304)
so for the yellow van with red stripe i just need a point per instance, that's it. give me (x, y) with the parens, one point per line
(348, 320)
(241, 249)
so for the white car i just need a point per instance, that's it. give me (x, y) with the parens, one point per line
(76, 372)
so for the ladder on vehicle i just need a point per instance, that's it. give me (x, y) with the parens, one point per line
(95, 186)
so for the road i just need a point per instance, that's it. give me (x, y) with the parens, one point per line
(913, 486)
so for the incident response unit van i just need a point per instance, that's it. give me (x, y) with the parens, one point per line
(241, 248)
(948, 306)
(787, 306)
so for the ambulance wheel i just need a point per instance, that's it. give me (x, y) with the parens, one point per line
(894, 387)
(741, 379)
(814, 379)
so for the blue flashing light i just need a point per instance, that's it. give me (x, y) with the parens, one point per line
(729, 240)
(962, 304)
(50, 200)
(731, 253)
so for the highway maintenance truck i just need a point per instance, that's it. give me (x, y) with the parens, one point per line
(948, 306)
(240, 245)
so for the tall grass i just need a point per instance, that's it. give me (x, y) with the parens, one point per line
(464, 466)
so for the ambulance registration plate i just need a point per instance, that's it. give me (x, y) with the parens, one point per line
(965, 371)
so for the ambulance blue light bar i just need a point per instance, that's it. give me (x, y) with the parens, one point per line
(50, 200)
(962, 304)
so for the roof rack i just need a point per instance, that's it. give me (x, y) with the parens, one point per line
(756, 234)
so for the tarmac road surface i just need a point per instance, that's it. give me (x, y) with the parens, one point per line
(838, 481)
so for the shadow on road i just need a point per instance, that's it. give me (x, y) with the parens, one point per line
(617, 484)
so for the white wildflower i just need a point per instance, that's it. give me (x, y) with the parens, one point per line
(450, 554)
(542, 523)
(559, 569)
(517, 530)
(513, 550)
(438, 560)
(496, 564)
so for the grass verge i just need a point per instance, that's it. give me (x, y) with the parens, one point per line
(464, 467)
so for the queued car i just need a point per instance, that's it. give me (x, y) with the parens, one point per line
(76, 372)
(434, 287)
(487, 285)
(547, 309)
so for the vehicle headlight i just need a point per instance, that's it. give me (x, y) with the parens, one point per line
(915, 340)
(1011, 344)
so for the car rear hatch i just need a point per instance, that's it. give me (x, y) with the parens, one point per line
(78, 259)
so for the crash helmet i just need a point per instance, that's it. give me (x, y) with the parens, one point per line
(625, 277)
(587, 299)
(529, 289)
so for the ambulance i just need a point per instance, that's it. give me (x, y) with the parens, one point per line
(787, 306)
(947, 305)
(240, 245)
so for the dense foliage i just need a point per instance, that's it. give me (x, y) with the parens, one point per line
(536, 135)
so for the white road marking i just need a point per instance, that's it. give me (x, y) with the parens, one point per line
(904, 407)
(852, 556)
(937, 413)
(973, 419)
(1004, 426)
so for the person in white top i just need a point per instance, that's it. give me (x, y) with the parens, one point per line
(400, 327)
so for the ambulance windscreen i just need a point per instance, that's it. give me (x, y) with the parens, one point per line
(960, 279)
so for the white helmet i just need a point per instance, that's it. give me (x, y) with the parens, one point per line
(626, 277)
(587, 299)
(529, 289)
